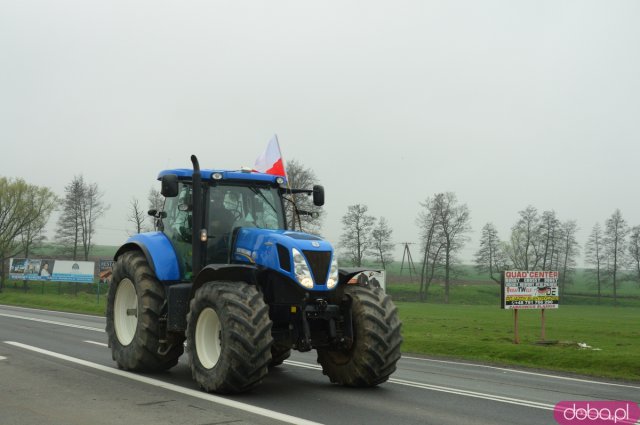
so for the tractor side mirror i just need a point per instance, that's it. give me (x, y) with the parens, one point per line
(318, 195)
(169, 186)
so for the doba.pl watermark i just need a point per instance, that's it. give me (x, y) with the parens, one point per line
(596, 412)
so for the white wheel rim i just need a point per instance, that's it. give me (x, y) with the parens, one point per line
(208, 331)
(125, 312)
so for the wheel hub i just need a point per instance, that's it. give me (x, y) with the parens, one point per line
(125, 312)
(207, 336)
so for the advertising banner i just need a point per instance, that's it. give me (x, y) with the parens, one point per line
(105, 269)
(51, 270)
(530, 289)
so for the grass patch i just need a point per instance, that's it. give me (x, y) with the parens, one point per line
(485, 333)
(83, 302)
(97, 251)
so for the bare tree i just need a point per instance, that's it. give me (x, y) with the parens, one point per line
(595, 255)
(24, 211)
(569, 250)
(382, 243)
(452, 220)
(301, 177)
(548, 234)
(81, 208)
(431, 246)
(356, 238)
(69, 231)
(615, 232)
(491, 258)
(92, 209)
(634, 250)
(523, 249)
(136, 216)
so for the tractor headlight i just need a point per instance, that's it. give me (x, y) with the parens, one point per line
(301, 269)
(332, 281)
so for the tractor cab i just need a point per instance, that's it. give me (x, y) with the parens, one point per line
(232, 201)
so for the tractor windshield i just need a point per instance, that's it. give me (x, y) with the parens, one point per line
(233, 206)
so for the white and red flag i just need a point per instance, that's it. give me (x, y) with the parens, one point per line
(271, 161)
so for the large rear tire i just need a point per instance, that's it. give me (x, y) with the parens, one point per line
(134, 306)
(228, 337)
(372, 357)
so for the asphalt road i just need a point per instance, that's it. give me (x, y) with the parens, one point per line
(55, 368)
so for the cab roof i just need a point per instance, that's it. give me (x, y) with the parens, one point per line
(187, 174)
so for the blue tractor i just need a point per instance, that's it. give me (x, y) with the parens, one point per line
(225, 273)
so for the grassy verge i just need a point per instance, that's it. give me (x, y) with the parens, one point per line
(80, 303)
(485, 333)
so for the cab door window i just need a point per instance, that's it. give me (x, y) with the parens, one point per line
(178, 226)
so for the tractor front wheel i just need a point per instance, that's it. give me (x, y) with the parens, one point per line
(228, 337)
(372, 357)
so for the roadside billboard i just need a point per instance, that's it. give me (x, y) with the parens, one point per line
(51, 270)
(530, 289)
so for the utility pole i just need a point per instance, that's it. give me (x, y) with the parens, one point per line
(406, 254)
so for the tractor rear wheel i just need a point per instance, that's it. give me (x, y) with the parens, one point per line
(372, 357)
(228, 337)
(134, 306)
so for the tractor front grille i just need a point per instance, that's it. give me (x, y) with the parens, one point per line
(319, 262)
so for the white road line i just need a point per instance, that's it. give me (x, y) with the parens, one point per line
(304, 365)
(52, 322)
(474, 394)
(449, 390)
(524, 372)
(171, 387)
(102, 344)
(3, 358)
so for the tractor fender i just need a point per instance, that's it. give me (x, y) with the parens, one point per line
(159, 252)
(358, 276)
(226, 272)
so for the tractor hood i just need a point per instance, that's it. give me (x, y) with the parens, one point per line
(306, 259)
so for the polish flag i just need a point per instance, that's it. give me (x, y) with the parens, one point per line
(271, 162)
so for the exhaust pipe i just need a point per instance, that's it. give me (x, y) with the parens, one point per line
(196, 200)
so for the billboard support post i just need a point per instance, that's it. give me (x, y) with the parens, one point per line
(542, 338)
(516, 336)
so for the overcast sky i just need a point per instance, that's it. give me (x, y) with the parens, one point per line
(505, 103)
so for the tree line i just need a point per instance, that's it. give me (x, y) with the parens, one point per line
(537, 241)
(544, 242)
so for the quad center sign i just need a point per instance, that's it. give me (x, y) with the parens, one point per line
(530, 289)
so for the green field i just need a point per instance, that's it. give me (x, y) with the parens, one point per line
(98, 251)
(485, 333)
